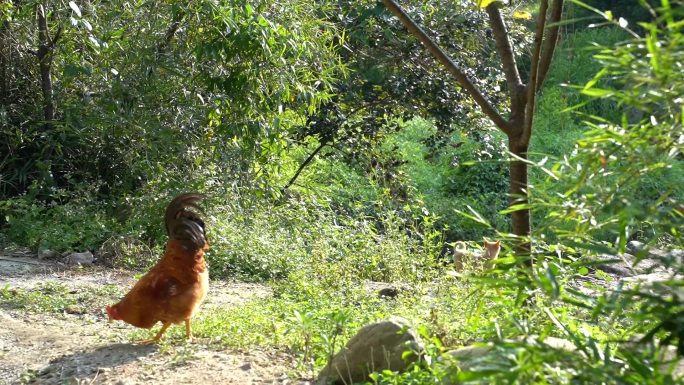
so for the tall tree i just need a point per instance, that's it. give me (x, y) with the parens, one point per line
(518, 123)
(376, 92)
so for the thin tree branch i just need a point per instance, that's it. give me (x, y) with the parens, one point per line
(324, 142)
(54, 40)
(534, 72)
(5, 61)
(160, 49)
(170, 32)
(503, 45)
(550, 42)
(443, 58)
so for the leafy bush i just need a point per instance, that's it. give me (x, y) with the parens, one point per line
(468, 171)
(73, 226)
(626, 173)
(262, 243)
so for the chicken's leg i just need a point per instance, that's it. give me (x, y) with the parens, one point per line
(188, 330)
(159, 335)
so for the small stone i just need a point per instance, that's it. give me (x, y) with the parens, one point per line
(73, 310)
(388, 292)
(80, 259)
(635, 246)
(470, 357)
(47, 254)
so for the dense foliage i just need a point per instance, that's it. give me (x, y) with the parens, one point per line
(199, 90)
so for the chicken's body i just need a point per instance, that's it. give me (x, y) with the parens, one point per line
(173, 289)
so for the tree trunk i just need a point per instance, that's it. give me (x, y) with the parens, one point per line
(520, 219)
(44, 55)
(44, 63)
(4, 63)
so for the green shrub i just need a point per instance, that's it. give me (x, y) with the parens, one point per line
(471, 173)
(76, 225)
(262, 243)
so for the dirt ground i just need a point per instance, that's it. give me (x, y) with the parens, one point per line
(82, 348)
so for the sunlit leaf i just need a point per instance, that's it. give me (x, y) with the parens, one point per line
(484, 3)
(94, 41)
(75, 8)
(522, 15)
(598, 92)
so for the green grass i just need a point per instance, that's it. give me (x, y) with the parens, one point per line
(53, 297)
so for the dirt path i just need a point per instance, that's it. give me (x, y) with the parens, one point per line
(79, 347)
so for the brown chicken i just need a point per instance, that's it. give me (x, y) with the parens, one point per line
(173, 289)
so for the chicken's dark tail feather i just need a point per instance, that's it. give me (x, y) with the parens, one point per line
(183, 221)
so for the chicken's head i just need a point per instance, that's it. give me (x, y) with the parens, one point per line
(113, 313)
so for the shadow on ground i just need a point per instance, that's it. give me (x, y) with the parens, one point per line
(89, 364)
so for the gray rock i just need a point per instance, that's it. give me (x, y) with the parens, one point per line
(83, 259)
(653, 278)
(47, 254)
(467, 357)
(658, 253)
(677, 254)
(621, 267)
(647, 265)
(635, 246)
(626, 265)
(383, 290)
(652, 256)
(553, 342)
(375, 347)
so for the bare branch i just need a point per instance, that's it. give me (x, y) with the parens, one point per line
(550, 42)
(503, 45)
(324, 142)
(170, 32)
(534, 71)
(443, 58)
(54, 40)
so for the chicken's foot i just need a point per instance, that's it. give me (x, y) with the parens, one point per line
(159, 335)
